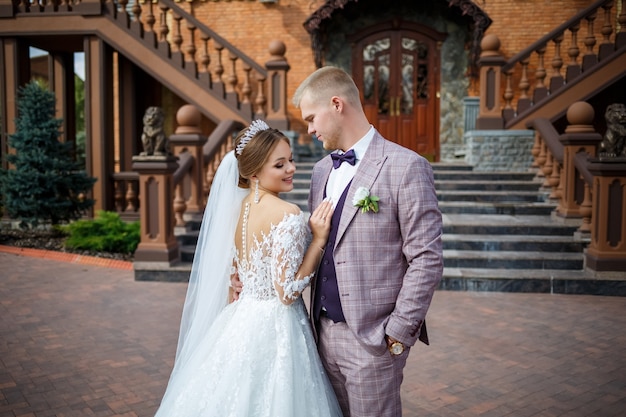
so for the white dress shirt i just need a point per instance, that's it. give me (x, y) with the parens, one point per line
(339, 178)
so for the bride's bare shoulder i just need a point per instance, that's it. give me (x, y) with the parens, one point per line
(277, 209)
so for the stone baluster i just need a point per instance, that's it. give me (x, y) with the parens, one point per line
(150, 20)
(585, 211)
(164, 30)
(579, 136)
(205, 59)
(540, 90)
(606, 47)
(508, 112)
(541, 158)
(554, 180)
(523, 102)
(556, 80)
(180, 206)
(219, 70)
(232, 78)
(590, 58)
(62, 6)
(119, 196)
(573, 68)
(208, 180)
(620, 37)
(232, 96)
(177, 39)
(191, 66)
(246, 88)
(136, 9)
(132, 203)
(547, 169)
(261, 99)
(536, 149)
(491, 63)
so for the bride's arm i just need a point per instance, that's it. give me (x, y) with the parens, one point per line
(291, 275)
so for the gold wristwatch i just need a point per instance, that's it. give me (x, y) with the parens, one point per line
(396, 348)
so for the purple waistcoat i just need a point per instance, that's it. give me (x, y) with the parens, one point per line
(326, 289)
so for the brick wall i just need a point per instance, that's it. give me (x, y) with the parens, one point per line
(519, 23)
(250, 26)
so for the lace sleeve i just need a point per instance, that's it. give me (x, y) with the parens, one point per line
(289, 242)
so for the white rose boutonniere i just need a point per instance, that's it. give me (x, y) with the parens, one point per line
(365, 201)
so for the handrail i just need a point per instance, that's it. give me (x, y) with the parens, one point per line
(553, 33)
(219, 135)
(550, 137)
(125, 176)
(185, 162)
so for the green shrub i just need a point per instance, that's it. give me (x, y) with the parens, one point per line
(43, 184)
(106, 233)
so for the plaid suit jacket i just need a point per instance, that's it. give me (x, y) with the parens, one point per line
(388, 263)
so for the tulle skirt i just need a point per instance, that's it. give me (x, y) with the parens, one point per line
(258, 359)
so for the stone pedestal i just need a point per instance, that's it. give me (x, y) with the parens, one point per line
(573, 185)
(156, 191)
(607, 250)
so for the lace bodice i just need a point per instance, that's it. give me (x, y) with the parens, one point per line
(275, 259)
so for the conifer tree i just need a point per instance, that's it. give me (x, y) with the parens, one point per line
(43, 183)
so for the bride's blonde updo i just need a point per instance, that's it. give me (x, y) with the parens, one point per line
(256, 152)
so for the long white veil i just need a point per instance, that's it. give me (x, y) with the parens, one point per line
(207, 293)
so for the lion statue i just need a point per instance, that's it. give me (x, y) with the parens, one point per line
(614, 142)
(153, 137)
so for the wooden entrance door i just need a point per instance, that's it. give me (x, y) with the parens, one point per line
(397, 72)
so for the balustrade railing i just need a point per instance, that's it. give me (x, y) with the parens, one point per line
(253, 90)
(511, 88)
(589, 190)
(184, 182)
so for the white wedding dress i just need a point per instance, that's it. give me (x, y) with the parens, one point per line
(258, 358)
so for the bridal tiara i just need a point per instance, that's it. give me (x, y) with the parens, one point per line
(255, 127)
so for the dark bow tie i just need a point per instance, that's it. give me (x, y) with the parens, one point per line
(348, 157)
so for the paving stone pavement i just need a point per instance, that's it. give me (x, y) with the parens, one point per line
(83, 340)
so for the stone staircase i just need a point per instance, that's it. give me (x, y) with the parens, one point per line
(499, 235)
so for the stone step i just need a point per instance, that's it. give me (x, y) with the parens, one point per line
(303, 183)
(461, 207)
(485, 224)
(551, 281)
(485, 176)
(303, 174)
(299, 184)
(451, 166)
(490, 196)
(513, 259)
(499, 234)
(482, 185)
(520, 243)
(472, 207)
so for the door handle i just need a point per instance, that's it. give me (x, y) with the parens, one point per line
(397, 99)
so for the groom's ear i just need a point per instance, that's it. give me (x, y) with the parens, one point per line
(336, 103)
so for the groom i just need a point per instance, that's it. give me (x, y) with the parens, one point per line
(383, 260)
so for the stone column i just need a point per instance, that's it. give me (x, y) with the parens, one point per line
(189, 138)
(607, 250)
(277, 68)
(491, 63)
(579, 136)
(156, 190)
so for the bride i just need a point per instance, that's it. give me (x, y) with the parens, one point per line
(255, 356)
